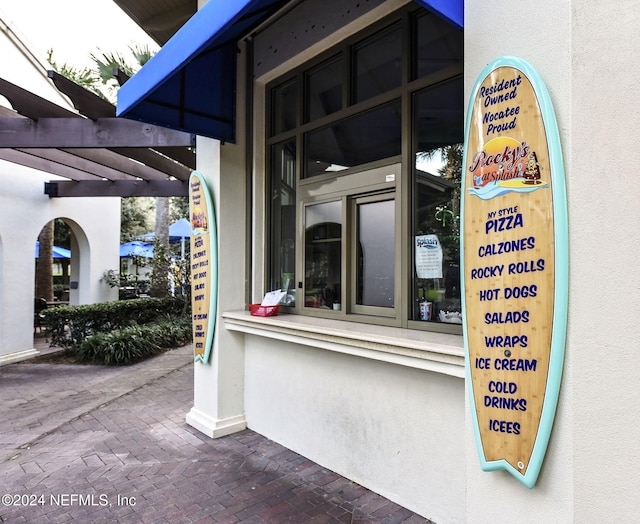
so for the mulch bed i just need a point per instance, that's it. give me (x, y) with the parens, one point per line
(56, 357)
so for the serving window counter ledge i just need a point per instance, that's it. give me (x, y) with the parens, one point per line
(430, 351)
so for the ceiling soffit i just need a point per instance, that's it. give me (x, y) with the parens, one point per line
(160, 19)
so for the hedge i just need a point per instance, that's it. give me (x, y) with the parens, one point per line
(134, 343)
(70, 326)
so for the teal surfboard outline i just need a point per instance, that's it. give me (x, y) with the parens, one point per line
(561, 292)
(213, 265)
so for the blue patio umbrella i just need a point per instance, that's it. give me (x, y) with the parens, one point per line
(136, 248)
(58, 252)
(180, 229)
(178, 232)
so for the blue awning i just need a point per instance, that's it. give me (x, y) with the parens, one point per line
(190, 84)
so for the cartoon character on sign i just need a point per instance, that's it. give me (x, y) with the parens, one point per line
(532, 173)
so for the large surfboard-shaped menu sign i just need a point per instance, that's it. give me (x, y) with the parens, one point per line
(514, 266)
(204, 267)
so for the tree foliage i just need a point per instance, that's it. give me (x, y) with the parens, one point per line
(106, 63)
(135, 212)
(178, 208)
(100, 79)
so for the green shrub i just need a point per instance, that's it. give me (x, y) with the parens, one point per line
(135, 342)
(70, 326)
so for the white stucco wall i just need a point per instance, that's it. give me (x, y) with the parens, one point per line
(24, 210)
(604, 341)
(393, 429)
(218, 408)
(21, 68)
(582, 51)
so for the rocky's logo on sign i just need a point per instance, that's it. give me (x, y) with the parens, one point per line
(504, 165)
(501, 160)
(514, 266)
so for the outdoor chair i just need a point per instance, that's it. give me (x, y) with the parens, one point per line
(38, 318)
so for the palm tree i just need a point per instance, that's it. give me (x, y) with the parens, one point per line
(103, 82)
(44, 271)
(106, 67)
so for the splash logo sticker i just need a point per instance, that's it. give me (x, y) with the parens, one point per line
(204, 267)
(514, 266)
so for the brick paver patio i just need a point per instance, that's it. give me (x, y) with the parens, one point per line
(99, 444)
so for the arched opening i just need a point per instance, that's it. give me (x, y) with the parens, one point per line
(61, 249)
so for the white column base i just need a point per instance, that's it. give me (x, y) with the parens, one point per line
(215, 428)
(18, 356)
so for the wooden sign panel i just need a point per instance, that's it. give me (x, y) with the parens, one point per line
(514, 266)
(204, 266)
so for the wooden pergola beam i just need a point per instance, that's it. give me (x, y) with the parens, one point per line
(83, 132)
(99, 155)
(43, 163)
(172, 165)
(121, 188)
(106, 158)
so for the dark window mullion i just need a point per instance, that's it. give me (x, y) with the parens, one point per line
(347, 87)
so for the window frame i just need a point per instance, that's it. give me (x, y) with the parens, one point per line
(361, 182)
(353, 203)
(404, 272)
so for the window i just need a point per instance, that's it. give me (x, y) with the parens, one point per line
(378, 63)
(360, 139)
(438, 140)
(324, 89)
(351, 244)
(364, 185)
(438, 45)
(283, 218)
(374, 253)
(323, 255)
(284, 104)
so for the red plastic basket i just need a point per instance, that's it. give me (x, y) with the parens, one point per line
(258, 310)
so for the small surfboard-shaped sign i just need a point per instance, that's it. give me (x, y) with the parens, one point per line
(204, 267)
(514, 266)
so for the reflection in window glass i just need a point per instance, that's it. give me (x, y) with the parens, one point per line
(375, 254)
(323, 255)
(363, 138)
(283, 222)
(284, 105)
(378, 64)
(438, 45)
(438, 134)
(324, 89)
